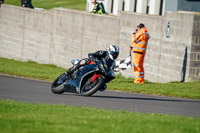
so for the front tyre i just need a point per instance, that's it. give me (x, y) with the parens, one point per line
(57, 86)
(92, 87)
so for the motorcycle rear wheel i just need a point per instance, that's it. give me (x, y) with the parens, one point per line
(58, 87)
(99, 82)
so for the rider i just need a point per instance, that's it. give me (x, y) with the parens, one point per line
(109, 55)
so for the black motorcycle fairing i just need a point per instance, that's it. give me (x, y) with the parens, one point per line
(86, 80)
(75, 84)
(107, 69)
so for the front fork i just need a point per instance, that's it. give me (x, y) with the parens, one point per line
(95, 77)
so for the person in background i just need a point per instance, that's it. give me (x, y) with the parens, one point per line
(98, 7)
(27, 3)
(1, 2)
(140, 40)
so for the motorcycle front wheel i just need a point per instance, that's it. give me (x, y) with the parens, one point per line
(92, 87)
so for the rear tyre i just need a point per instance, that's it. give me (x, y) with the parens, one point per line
(57, 86)
(92, 87)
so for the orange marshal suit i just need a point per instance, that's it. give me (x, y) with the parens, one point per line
(139, 46)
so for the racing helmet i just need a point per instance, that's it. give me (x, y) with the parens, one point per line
(113, 51)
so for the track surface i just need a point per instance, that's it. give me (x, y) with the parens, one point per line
(34, 91)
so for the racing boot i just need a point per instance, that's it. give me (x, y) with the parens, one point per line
(70, 71)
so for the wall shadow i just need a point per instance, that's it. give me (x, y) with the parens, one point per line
(183, 73)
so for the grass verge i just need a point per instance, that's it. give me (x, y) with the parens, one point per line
(49, 4)
(23, 117)
(50, 72)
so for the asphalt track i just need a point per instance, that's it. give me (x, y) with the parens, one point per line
(35, 91)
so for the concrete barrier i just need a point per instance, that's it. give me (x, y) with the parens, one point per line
(57, 36)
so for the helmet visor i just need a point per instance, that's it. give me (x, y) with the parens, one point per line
(114, 54)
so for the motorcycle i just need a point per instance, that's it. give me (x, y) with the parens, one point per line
(86, 81)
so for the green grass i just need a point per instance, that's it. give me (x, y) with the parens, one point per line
(49, 4)
(30, 69)
(17, 117)
(51, 72)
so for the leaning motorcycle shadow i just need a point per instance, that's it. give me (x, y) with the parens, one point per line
(145, 98)
(132, 98)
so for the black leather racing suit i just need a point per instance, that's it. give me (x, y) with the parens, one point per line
(97, 56)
